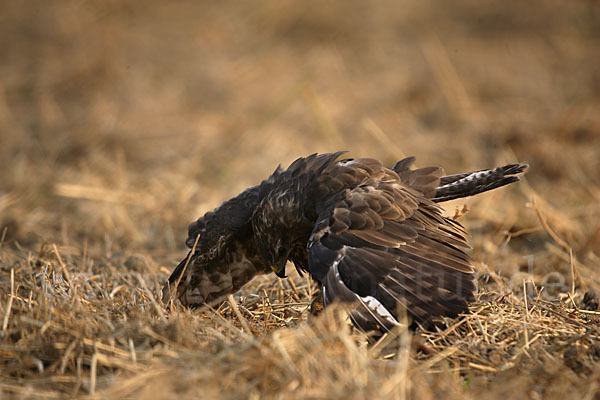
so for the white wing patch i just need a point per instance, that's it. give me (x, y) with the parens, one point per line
(376, 307)
(370, 303)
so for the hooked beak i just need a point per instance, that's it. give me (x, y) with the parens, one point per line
(279, 270)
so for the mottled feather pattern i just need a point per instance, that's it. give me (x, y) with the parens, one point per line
(224, 257)
(371, 236)
(388, 243)
(472, 183)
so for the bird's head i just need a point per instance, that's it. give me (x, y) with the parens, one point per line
(275, 254)
(277, 225)
(272, 238)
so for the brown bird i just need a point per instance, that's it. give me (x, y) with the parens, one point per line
(370, 235)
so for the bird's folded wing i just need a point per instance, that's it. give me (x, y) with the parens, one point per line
(385, 245)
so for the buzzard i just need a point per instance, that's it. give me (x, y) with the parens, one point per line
(370, 235)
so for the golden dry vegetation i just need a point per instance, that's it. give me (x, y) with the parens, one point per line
(123, 121)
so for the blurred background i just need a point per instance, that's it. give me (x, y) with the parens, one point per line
(122, 121)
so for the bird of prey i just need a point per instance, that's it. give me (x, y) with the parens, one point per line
(369, 235)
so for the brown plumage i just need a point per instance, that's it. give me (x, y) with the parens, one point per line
(370, 235)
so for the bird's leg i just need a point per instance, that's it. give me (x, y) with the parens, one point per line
(419, 344)
(316, 306)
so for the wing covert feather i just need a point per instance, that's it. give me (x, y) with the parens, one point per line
(384, 245)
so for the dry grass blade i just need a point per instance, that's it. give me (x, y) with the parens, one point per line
(574, 274)
(239, 315)
(172, 291)
(3, 236)
(10, 301)
(447, 78)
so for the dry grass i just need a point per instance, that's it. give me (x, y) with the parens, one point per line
(120, 122)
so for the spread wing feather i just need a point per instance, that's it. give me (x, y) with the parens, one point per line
(383, 244)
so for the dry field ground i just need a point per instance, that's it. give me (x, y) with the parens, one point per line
(122, 121)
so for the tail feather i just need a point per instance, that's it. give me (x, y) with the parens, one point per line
(471, 183)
